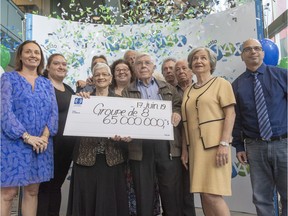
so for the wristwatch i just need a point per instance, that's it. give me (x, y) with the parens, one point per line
(223, 143)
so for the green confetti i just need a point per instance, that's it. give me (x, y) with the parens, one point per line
(139, 11)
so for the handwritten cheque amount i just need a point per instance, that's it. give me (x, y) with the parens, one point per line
(109, 116)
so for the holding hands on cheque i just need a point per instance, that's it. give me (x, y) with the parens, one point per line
(175, 119)
(116, 137)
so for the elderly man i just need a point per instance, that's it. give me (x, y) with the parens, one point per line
(155, 159)
(261, 125)
(130, 56)
(168, 71)
(183, 75)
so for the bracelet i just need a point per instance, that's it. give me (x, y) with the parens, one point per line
(26, 137)
(223, 143)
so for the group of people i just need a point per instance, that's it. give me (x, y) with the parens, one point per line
(122, 176)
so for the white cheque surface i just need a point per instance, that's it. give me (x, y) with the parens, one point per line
(110, 116)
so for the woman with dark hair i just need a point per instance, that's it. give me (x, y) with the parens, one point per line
(122, 75)
(49, 197)
(29, 119)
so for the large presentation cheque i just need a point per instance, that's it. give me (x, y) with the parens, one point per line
(110, 116)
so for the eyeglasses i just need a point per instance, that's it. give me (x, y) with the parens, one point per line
(122, 69)
(103, 75)
(143, 62)
(249, 49)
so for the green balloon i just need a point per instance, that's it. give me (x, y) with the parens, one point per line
(5, 56)
(284, 63)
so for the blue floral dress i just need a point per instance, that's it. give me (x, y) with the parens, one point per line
(24, 109)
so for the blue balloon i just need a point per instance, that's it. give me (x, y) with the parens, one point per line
(271, 52)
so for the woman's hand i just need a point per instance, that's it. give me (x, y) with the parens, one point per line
(222, 155)
(39, 144)
(44, 138)
(84, 94)
(119, 138)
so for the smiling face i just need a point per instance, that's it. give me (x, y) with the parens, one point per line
(144, 68)
(30, 56)
(101, 78)
(57, 69)
(252, 53)
(122, 73)
(201, 62)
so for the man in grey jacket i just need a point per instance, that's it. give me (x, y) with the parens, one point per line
(153, 160)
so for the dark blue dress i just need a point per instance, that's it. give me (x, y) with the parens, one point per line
(24, 109)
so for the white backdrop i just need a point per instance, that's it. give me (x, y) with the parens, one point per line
(222, 32)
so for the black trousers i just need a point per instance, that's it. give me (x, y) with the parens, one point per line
(188, 198)
(49, 196)
(157, 165)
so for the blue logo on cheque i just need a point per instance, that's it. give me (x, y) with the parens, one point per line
(78, 101)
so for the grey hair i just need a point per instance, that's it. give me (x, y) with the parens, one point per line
(102, 65)
(212, 57)
(140, 55)
(128, 51)
(167, 60)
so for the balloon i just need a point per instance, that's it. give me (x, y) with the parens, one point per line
(1, 71)
(5, 56)
(284, 62)
(271, 52)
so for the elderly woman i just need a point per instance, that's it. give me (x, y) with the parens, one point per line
(98, 182)
(208, 117)
(49, 197)
(87, 86)
(29, 117)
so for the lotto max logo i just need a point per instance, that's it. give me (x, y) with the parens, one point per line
(240, 170)
(78, 101)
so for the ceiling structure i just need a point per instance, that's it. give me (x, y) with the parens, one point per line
(120, 10)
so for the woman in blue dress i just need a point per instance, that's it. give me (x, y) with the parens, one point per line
(29, 119)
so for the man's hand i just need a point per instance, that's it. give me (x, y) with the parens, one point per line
(81, 83)
(184, 157)
(176, 118)
(242, 157)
